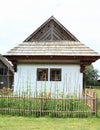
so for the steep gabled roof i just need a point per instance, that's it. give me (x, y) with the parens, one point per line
(6, 63)
(52, 39)
(51, 30)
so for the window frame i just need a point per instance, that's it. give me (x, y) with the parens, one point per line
(38, 78)
(58, 69)
(3, 71)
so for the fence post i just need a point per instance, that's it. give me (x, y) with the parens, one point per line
(40, 106)
(96, 104)
(91, 100)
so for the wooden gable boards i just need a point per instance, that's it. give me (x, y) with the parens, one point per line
(51, 30)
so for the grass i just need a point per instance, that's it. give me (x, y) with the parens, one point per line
(26, 123)
(97, 91)
(47, 123)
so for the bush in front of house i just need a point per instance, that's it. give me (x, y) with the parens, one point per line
(37, 107)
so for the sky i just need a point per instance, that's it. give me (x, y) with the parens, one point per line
(20, 18)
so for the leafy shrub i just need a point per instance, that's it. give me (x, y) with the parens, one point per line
(42, 107)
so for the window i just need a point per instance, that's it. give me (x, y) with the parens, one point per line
(55, 74)
(3, 71)
(42, 74)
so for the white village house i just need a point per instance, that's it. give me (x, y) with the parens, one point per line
(51, 59)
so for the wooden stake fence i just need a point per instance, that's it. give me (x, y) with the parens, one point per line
(91, 100)
(48, 106)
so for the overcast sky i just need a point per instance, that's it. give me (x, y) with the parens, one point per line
(19, 18)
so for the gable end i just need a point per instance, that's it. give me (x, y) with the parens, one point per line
(51, 30)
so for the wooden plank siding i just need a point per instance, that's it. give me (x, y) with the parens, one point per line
(6, 73)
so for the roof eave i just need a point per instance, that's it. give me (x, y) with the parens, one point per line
(84, 57)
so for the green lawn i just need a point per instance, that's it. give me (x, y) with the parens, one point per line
(26, 123)
(98, 92)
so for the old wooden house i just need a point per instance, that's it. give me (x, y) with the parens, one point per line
(6, 73)
(51, 59)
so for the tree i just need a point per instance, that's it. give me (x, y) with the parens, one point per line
(91, 75)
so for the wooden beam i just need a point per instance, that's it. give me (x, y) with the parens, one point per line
(82, 68)
(83, 59)
(47, 62)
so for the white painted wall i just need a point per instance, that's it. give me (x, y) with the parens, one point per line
(25, 80)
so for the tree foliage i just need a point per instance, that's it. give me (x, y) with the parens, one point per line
(91, 75)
